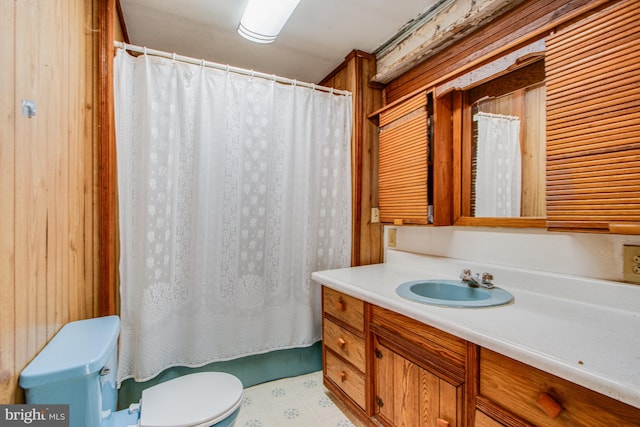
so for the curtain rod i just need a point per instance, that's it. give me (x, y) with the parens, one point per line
(146, 51)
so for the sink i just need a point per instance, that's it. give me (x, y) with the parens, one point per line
(452, 293)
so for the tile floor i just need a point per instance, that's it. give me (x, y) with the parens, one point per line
(299, 401)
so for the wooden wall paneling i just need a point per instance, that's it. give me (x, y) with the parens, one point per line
(354, 75)
(443, 157)
(119, 26)
(56, 141)
(371, 233)
(7, 195)
(525, 23)
(46, 178)
(534, 165)
(106, 165)
(458, 155)
(344, 77)
(31, 186)
(88, 299)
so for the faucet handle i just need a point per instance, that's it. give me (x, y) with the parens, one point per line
(487, 278)
(465, 273)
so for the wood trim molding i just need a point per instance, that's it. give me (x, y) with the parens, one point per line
(354, 75)
(412, 79)
(123, 25)
(353, 54)
(106, 167)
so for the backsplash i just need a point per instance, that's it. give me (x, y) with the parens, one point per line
(582, 254)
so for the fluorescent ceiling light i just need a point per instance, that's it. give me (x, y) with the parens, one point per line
(263, 19)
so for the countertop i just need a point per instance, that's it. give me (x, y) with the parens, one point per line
(583, 330)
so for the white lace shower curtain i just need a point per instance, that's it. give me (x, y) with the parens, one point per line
(498, 166)
(232, 190)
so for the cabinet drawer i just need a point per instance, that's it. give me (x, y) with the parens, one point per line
(345, 376)
(344, 343)
(344, 308)
(534, 395)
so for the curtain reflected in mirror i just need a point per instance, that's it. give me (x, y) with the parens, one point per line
(497, 180)
(508, 154)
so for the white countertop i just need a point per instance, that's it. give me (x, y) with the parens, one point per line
(583, 330)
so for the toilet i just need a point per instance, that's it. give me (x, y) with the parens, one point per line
(78, 367)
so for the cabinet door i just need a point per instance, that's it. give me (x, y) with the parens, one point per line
(403, 162)
(593, 122)
(410, 396)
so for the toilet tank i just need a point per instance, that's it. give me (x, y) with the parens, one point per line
(77, 367)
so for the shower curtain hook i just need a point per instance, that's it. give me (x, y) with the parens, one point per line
(144, 50)
(227, 68)
(124, 47)
(252, 73)
(173, 57)
(295, 82)
(313, 86)
(202, 62)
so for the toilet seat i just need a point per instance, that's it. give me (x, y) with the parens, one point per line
(192, 400)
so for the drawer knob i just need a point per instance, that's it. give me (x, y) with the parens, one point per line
(549, 405)
(442, 423)
(343, 376)
(340, 305)
(341, 342)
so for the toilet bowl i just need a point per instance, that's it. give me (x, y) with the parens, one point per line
(78, 367)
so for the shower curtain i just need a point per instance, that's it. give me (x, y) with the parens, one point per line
(498, 166)
(232, 190)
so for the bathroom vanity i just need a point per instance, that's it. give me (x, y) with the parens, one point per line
(564, 353)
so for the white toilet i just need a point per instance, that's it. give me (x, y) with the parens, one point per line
(78, 367)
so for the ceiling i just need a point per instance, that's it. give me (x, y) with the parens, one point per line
(315, 40)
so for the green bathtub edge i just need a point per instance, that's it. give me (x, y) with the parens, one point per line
(251, 370)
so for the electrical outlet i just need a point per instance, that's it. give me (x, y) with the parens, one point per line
(391, 238)
(631, 263)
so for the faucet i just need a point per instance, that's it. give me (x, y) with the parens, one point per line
(476, 280)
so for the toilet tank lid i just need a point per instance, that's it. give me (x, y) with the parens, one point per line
(80, 348)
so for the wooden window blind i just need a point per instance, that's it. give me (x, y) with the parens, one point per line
(593, 122)
(403, 162)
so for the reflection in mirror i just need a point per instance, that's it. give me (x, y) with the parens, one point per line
(508, 154)
(506, 146)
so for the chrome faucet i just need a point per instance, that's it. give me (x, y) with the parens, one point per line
(475, 280)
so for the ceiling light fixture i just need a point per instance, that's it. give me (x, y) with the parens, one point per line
(263, 19)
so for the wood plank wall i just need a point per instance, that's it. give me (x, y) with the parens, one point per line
(47, 185)
(354, 75)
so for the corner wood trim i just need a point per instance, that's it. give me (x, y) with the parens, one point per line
(106, 166)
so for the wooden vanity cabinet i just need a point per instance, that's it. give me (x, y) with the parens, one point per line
(390, 370)
(418, 372)
(343, 349)
(511, 393)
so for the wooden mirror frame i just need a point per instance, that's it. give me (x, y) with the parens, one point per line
(461, 141)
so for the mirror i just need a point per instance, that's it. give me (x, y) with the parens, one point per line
(502, 154)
